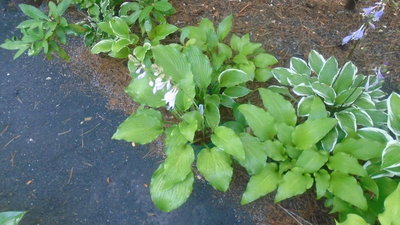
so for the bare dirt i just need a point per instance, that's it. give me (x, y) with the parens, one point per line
(286, 28)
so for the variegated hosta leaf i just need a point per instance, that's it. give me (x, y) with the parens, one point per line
(365, 102)
(347, 122)
(317, 110)
(304, 105)
(303, 90)
(316, 61)
(281, 74)
(393, 105)
(375, 134)
(300, 66)
(349, 96)
(362, 117)
(329, 71)
(329, 141)
(345, 78)
(391, 158)
(324, 91)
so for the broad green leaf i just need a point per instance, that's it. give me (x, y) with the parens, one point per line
(303, 90)
(322, 179)
(263, 74)
(102, 46)
(237, 91)
(275, 150)
(280, 108)
(215, 166)
(264, 60)
(312, 160)
(185, 97)
(173, 62)
(140, 91)
(300, 66)
(228, 141)
(353, 219)
(324, 91)
(391, 214)
(304, 105)
(282, 74)
(212, 115)
(14, 45)
(281, 90)
(295, 182)
(119, 27)
(232, 77)
(261, 184)
(379, 117)
(174, 138)
(310, 132)
(284, 133)
(224, 27)
(141, 127)
(105, 27)
(32, 12)
(345, 78)
(178, 164)
(63, 6)
(53, 10)
(348, 96)
(347, 121)
(260, 121)
(118, 45)
(163, 6)
(11, 217)
(168, 198)
(161, 31)
(188, 129)
(363, 148)
(317, 110)
(391, 157)
(145, 13)
(329, 141)
(329, 71)
(393, 106)
(200, 65)
(256, 157)
(316, 61)
(345, 163)
(369, 184)
(346, 188)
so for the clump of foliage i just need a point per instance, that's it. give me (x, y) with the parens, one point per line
(322, 126)
(11, 218)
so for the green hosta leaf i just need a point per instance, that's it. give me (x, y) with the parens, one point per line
(345, 78)
(63, 6)
(322, 179)
(140, 91)
(329, 71)
(105, 27)
(349, 96)
(375, 134)
(121, 54)
(346, 188)
(256, 157)
(330, 140)
(393, 105)
(232, 77)
(260, 121)
(224, 27)
(316, 61)
(300, 66)
(362, 118)
(163, 6)
(261, 184)
(166, 197)
(188, 129)
(212, 115)
(324, 91)
(103, 46)
(363, 149)
(141, 127)
(310, 132)
(173, 62)
(347, 121)
(145, 13)
(391, 157)
(284, 133)
(119, 27)
(226, 140)
(237, 91)
(275, 150)
(312, 160)
(186, 94)
(304, 105)
(281, 90)
(263, 60)
(215, 166)
(32, 12)
(295, 182)
(161, 31)
(353, 219)
(299, 79)
(118, 45)
(263, 75)
(249, 48)
(303, 90)
(367, 183)
(345, 163)
(11, 218)
(365, 102)
(200, 65)
(178, 164)
(391, 214)
(174, 138)
(281, 109)
(379, 117)
(282, 74)
(317, 110)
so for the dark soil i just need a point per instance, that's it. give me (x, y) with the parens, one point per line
(286, 28)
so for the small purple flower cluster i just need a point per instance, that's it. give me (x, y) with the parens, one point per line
(371, 14)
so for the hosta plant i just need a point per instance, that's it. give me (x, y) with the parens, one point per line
(43, 32)
(11, 217)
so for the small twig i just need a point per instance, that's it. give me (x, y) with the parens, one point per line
(19, 99)
(12, 159)
(4, 131)
(65, 132)
(70, 175)
(295, 216)
(12, 139)
(244, 8)
(91, 129)
(82, 138)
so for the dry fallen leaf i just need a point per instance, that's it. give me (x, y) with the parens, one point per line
(29, 182)
(88, 118)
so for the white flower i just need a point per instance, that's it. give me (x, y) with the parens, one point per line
(201, 109)
(170, 98)
(156, 70)
(158, 84)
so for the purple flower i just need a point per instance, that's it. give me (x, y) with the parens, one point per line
(356, 35)
(378, 73)
(367, 11)
(378, 15)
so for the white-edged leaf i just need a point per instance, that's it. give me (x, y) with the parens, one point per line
(233, 77)
(300, 66)
(329, 71)
(316, 61)
(393, 105)
(347, 121)
(345, 78)
(391, 157)
(324, 91)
